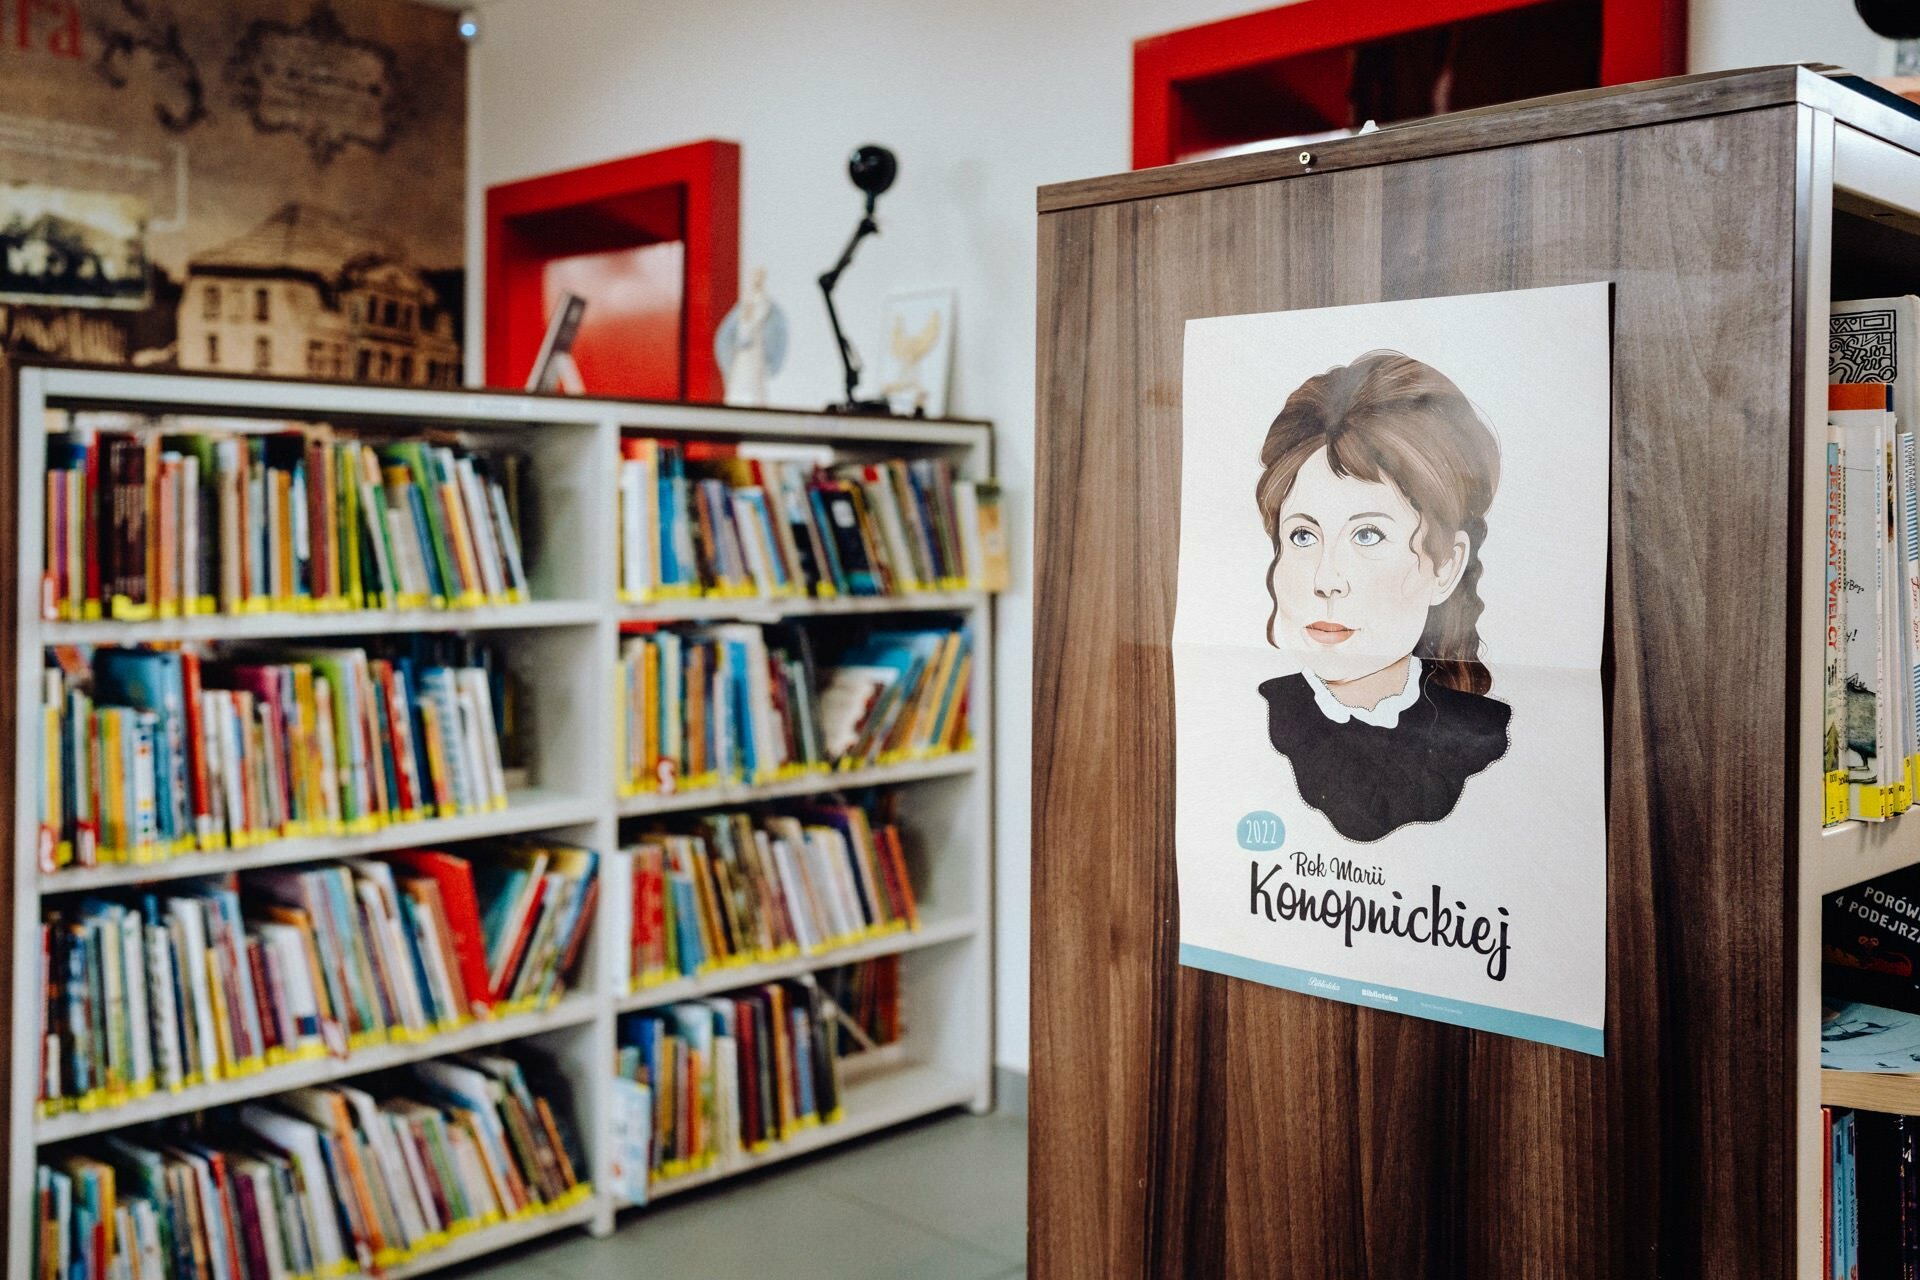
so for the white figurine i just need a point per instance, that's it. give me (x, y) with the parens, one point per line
(751, 344)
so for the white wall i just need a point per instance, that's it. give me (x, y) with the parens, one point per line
(983, 100)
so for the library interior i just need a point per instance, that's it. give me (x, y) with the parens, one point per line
(624, 649)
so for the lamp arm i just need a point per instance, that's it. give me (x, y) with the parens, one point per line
(829, 280)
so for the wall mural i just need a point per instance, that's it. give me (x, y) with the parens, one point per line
(258, 186)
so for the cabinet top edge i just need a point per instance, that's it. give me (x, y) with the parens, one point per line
(1564, 115)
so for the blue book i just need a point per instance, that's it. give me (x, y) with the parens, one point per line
(818, 500)
(807, 1104)
(686, 923)
(149, 681)
(437, 584)
(762, 519)
(415, 930)
(740, 709)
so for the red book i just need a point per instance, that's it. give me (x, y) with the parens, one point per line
(95, 518)
(750, 1119)
(204, 820)
(893, 858)
(455, 878)
(580, 927)
(529, 914)
(265, 998)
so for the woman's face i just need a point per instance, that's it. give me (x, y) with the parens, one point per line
(1351, 585)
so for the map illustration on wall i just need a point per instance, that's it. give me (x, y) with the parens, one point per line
(261, 186)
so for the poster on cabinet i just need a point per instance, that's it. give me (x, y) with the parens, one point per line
(1390, 769)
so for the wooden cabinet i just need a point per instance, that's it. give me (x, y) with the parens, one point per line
(1190, 1124)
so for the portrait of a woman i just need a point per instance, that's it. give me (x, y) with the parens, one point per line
(1374, 490)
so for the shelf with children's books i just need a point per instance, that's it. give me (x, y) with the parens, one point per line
(775, 608)
(813, 783)
(934, 931)
(1855, 851)
(539, 669)
(486, 1240)
(570, 1010)
(868, 1103)
(320, 622)
(528, 809)
(1858, 719)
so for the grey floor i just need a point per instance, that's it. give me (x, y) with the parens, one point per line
(945, 1199)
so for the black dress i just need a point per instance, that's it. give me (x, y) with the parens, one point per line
(1370, 781)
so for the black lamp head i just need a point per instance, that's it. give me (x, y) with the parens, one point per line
(873, 169)
(1894, 19)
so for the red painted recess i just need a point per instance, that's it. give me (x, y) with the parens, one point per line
(651, 241)
(1297, 69)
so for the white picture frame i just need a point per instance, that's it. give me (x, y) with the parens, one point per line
(916, 351)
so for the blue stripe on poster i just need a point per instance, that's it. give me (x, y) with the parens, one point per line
(1459, 1013)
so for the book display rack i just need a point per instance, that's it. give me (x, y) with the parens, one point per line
(1176, 1114)
(426, 625)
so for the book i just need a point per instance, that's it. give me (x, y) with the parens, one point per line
(1858, 413)
(553, 367)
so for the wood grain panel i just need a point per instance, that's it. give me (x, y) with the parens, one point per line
(1185, 1123)
(9, 704)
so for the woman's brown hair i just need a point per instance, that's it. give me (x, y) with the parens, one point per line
(1389, 418)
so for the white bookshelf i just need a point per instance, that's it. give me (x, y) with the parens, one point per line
(564, 646)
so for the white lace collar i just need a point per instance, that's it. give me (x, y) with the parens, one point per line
(1384, 715)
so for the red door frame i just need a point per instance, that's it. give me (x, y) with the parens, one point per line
(1639, 40)
(689, 192)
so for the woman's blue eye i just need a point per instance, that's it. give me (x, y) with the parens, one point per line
(1302, 537)
(1368, 536)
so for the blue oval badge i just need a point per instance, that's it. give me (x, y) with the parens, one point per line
(1261, 832)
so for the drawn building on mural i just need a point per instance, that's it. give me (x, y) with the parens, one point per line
(307, 295)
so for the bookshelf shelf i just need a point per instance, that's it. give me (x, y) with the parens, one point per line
(570, 1011)
(1871, 1091)
(1857, 851)
(875, 1102)
(491, 1240)
(773, 610)
(528, 809)
(931, 933)
(564, 648)
(812, 784)
(354, 622)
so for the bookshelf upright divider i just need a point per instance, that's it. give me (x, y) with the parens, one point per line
(563, 647)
